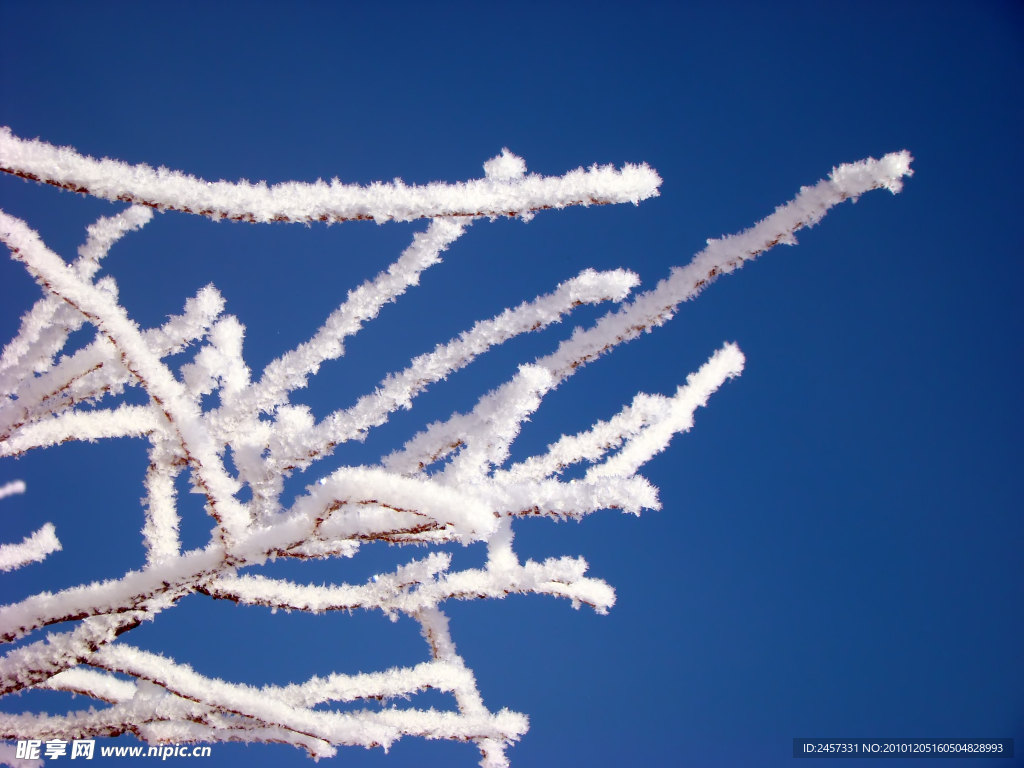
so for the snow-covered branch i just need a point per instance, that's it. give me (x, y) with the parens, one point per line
(505, 190)
(32, 550)
(451, 482)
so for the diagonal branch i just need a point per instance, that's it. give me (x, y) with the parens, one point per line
(655, 307)
(138, 357)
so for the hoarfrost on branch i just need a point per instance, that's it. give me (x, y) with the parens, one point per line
(451, 482)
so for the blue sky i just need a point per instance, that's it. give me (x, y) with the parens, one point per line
(839, 552)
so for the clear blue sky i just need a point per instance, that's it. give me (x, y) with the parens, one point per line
(840, 548)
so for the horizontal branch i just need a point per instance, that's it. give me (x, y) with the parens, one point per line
(129, 593)
(499, 194)
(150, 713)
(392, 683)
(124, 421)
(91, 682)
(220, 728)
(278, 593)
(361, 728)
(562, 577)
(37, 662)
